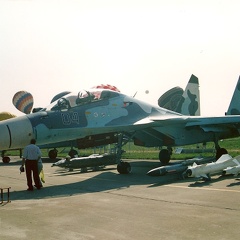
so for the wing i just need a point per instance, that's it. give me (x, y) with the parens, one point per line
(175, 130)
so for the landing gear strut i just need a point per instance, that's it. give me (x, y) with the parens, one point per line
(122, 167)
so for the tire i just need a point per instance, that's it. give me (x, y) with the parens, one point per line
(72, 153)
(52, 154)
(220, 152)
(6, 159)
(124, 168)
(164, 156)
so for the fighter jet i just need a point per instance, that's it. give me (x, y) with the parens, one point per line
(96, 116)
(204, 170)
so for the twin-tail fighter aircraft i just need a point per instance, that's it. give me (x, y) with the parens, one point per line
(100, 116)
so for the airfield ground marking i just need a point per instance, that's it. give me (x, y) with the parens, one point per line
(203, 188)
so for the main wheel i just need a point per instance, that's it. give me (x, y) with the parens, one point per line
(52, 154)
(124, 168)
(72, 153)
(164, 156)
(220, 152)
(6, 159)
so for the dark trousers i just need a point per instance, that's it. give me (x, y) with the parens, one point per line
(32, 167)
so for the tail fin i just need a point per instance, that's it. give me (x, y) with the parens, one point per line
(234, 107)
(187, 102)
(171, 98)
(190, 101)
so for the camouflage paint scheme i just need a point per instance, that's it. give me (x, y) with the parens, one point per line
(186, 102)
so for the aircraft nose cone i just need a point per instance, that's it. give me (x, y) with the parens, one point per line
(15, 133)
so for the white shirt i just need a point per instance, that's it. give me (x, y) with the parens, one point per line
(32, 152)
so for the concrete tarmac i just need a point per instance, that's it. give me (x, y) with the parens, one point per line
(107, 205)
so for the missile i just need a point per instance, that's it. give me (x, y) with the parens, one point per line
(204, 170)
(93, 160)
(176, 168)
(161, 171)
(233, 170)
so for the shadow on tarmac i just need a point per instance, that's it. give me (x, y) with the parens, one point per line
(107, 181)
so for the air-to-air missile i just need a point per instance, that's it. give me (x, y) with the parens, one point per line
(94, 161)
(177, 168)
(233, 170)
(204, 170)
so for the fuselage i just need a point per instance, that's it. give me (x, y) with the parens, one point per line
(101, 112)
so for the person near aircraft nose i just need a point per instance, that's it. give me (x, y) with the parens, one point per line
(31, 155)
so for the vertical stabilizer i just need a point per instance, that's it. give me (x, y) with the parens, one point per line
(234, 107)
(189, 103)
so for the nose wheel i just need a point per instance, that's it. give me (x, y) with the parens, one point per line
(6, 159)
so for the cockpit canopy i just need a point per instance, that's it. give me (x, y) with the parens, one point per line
(83, 97)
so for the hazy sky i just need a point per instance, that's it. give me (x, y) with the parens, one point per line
(47, 47)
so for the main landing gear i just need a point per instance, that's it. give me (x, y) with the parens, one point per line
(165, 154)
(220, 152)
(122, 167)
(52, 154)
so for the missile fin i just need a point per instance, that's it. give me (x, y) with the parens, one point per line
(236, 161)
(223, 158)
